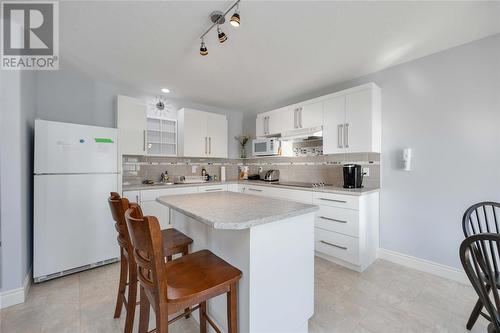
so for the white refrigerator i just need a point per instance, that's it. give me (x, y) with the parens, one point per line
(76, 167)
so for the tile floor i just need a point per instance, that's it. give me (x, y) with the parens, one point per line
(385, 298)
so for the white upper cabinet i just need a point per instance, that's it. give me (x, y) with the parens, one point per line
(352, 121)
(132, 125)
(274, 122)
(193, 141)
(280, 120)
(260, 124)
(358, 122)
(334, 119)
(309, 115)
(202, 134)
(217, 135)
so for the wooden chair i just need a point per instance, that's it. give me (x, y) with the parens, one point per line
(188, 281)
(480, 256)
(174, 242)
(480, 218)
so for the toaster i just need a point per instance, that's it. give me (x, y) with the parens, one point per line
(272, 175)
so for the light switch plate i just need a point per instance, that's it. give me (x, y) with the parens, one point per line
(194, 168)
(366, 171)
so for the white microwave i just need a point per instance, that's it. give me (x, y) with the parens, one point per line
(265, 147)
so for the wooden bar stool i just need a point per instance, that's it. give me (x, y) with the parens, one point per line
(188, 281)
(174, 242)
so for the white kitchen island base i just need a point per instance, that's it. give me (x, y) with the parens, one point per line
(276, 291)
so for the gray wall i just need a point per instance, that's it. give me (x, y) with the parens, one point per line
(17, 106)
(68, 95)
(446, 107)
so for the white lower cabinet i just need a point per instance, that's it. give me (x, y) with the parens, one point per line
(337, 245)
(149, 205)
(344, 221)
(346, 226)
(132, 196)
(212, 188)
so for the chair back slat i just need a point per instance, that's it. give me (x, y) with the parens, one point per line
(480, 218)
(118, 207)
(495, 218)
(480, 256)
(146, 238)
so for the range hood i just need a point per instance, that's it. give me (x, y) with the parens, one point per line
(302, 134)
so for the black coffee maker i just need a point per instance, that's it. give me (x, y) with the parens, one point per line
(353, 176)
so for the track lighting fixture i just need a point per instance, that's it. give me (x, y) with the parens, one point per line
(218, 18)
(203, 48)
(222, 36)
(235, 19)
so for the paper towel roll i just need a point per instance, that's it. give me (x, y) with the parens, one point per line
(222, 173)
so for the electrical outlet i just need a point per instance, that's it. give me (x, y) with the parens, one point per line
(366, 172)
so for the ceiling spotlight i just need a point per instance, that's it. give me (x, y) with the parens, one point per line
(165, 90)
(222, 36)
(203, 48)
(235, 19)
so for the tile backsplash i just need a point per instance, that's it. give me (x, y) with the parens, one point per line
(323, 168)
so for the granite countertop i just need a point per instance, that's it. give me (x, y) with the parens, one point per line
(326, 189)
(231, 210)
(160, 186)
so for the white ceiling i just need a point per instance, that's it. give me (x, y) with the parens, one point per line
(282, 48)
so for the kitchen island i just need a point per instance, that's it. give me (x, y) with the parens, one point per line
(271, 241)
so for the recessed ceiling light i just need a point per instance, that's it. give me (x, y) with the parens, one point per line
(165, 90)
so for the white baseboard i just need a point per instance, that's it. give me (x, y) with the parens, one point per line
(427, 266)
(16, 296)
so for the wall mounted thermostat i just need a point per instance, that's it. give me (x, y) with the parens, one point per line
(406, 161)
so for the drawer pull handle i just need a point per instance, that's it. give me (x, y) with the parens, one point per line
(254, 189)
(213, 189)
(330, 219)
(326, 199)
(334, 245)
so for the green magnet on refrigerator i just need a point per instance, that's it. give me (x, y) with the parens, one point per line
(103, 140)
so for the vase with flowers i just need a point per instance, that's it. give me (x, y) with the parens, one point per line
(242, 139)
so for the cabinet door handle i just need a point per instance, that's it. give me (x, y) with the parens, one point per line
(339, 135)
(144, 140)
(334, 245)
(346, 135)
(209, 145)
(267, 125)
(137, 199)
(213, 189)
(330, 219)
(254, 189)
(300, 117)
(333, 200)
(205, 145)
(295, 118)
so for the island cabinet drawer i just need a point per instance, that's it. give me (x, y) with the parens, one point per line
(336, 200)
(132, 196)
(344, 221)
(256, 190)
(151, 195)
(292, 195)
(212, 188)
(337, 245)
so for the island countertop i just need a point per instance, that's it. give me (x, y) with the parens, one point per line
(231, 210)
